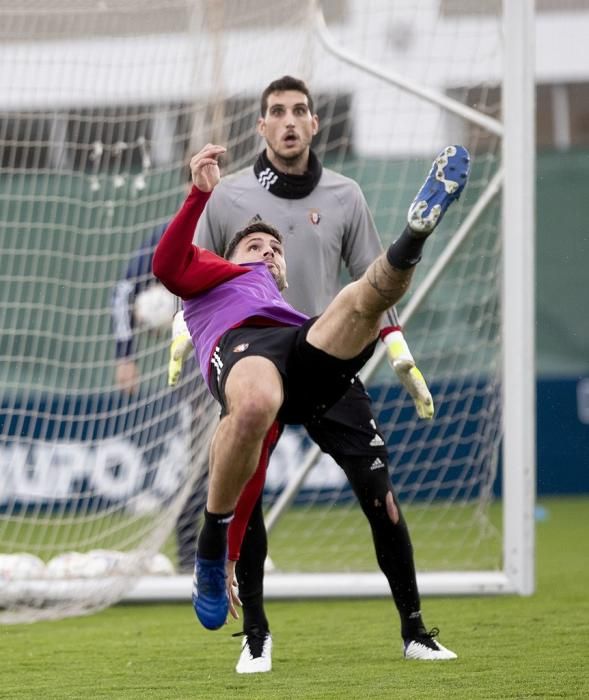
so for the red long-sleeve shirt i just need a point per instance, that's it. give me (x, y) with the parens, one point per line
(182, 267)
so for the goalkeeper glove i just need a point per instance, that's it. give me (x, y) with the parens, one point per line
(180, 348)
(401, 360)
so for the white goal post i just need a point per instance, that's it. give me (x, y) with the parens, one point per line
(515, 182)
(99, 110)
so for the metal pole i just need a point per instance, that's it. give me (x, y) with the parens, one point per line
(519, 441)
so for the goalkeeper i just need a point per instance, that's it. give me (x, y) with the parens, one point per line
(326, 222)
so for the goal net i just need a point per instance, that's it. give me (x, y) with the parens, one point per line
(102, 104)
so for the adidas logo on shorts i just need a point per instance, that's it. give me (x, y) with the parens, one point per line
(376, 441)
(216, 361)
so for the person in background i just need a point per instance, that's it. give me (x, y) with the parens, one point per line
(137, 277)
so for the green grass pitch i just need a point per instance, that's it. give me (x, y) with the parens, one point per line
(508, 647)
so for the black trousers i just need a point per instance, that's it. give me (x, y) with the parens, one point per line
(349, 433)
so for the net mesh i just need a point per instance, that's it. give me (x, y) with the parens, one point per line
(102, 103)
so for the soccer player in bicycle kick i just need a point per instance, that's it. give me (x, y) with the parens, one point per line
(262, 359)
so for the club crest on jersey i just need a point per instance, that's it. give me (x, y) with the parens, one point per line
(242, 347)
(314, 216)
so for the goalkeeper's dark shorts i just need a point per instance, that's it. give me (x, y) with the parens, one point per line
(349, 428)
(313, 380)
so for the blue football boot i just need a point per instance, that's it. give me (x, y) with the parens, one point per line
(209, 592)
(443, 185)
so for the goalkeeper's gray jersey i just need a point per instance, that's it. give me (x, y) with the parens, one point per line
(329, 228)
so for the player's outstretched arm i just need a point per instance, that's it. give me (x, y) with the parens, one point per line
(401, 360)
(180, 348)
(182, 267)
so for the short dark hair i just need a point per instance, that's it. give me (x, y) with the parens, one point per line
(287, 82)
(254, 227)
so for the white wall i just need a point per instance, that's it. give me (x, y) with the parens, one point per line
(438, 52)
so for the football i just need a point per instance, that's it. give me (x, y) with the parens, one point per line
(109, 562)
(72, 565)
(20, 567)
(154, 308)
(159, 565)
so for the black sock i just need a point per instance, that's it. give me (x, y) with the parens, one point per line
(212, 541)
(254, 617)
(405, 252)
(412, 625)
(250, 572)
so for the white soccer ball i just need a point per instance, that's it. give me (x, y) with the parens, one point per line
(154, 308)
(110, 562)
(159, 565)
(70, 565)
(21, 567)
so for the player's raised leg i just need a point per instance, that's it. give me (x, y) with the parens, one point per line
(353, 318)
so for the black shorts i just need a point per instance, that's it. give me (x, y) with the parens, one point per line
(313, 380)
(349, 427)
